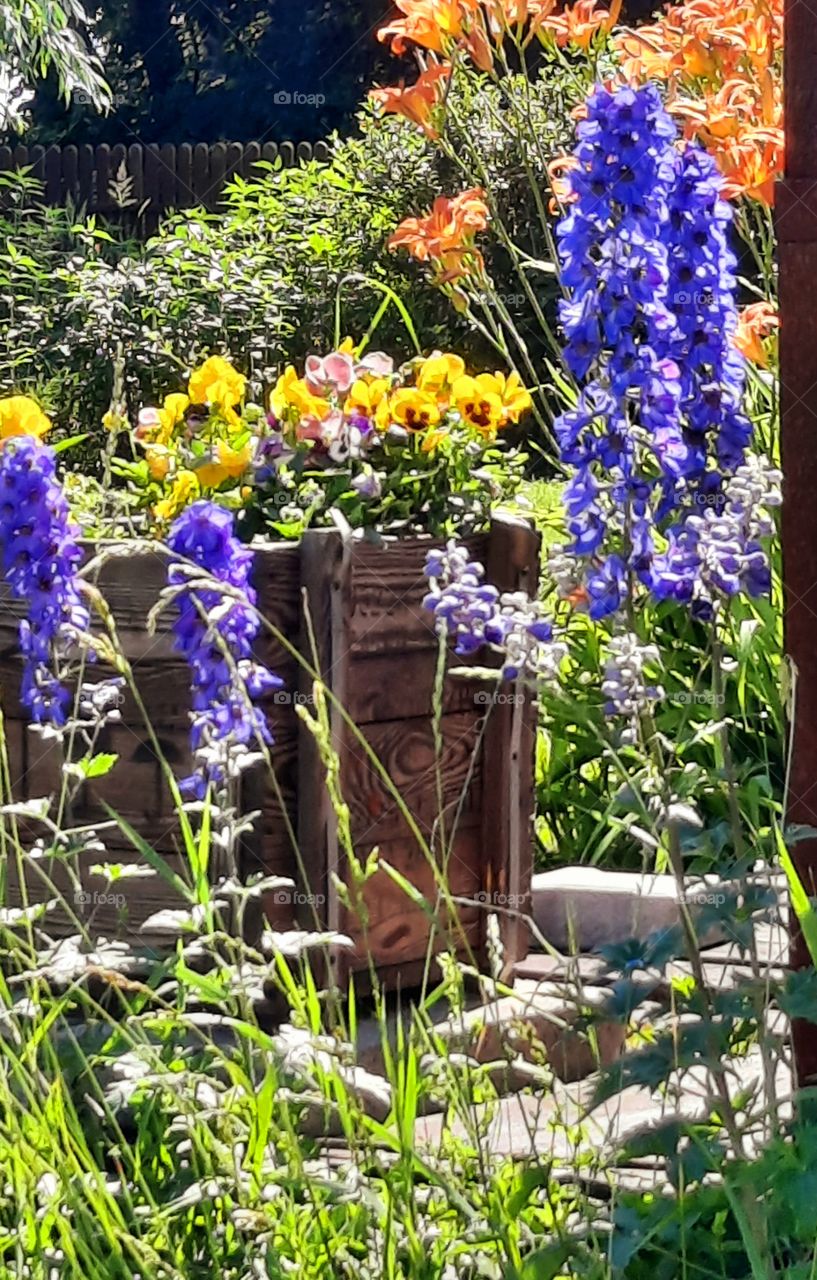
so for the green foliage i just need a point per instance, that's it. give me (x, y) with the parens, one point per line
(259, 282)
(38, 37)
(587, 789)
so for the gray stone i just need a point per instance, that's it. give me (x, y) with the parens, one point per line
(538, 1027)
(583, 908)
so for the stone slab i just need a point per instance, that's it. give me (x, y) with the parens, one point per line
(579, 909)
(537, 1026)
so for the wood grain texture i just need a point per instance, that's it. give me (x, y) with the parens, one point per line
(325, 570)
(406, 750)
(398, 930)
(796, 221)
(366, 631)
(510, 741)
(387, 586)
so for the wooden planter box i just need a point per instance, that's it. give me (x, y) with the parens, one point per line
(378, 654)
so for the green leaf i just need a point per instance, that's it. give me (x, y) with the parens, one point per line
(800, 900)
(97, 766)
(62, 445)
(547, 1263)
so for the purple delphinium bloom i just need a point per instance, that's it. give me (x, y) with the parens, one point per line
(658, 430)
(618, 321)
(40, 558)
(717, 550)
(475, 614)
(214, 631)
(702, 296)
(627, 691)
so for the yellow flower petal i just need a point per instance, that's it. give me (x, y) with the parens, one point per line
(218, 384)
(22, 416)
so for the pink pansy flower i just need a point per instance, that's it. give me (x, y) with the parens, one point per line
(335, 372)
(310, 428)
(377, 363)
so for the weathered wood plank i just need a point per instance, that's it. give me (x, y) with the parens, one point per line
(398, 930)
(325, 560)
(375, 693)
(510, 739)
(406, 750)
(387, 587)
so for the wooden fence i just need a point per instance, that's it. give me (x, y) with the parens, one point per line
(137, 183)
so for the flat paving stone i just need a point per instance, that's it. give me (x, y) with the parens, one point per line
(560, 1126)
(582, 908)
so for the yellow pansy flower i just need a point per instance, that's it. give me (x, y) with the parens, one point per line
(184, 489)
(432, 440)
(347, 347)
(515, 397)
(218, 384)
(479, 400)
(291, 392)
(438, 373)
(413, 409)
(364, 397)
(228, 464)
(171, 414)
(22, 416)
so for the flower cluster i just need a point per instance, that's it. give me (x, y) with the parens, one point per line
(658, 429)
(445, 236)
(664, 498)
(40, 558)
(475, 614)
(625, 684)
(200, 441)
(342, 404)
(338, 431)
(214, 631)
(444, 28)
(721, 60)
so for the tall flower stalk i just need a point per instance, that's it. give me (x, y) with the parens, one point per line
(214, 631)
(40, 555)
(664, 501)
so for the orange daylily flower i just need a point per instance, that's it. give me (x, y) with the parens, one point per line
(578, 24)
(418, 101)
(720, 61)
(428, 23)
(437, 25)
(756, 322)
(752, 166)
(503, 14)
(445, 235)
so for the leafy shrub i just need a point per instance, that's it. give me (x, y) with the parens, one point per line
(261, 280)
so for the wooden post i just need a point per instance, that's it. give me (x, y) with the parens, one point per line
(796, 217)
